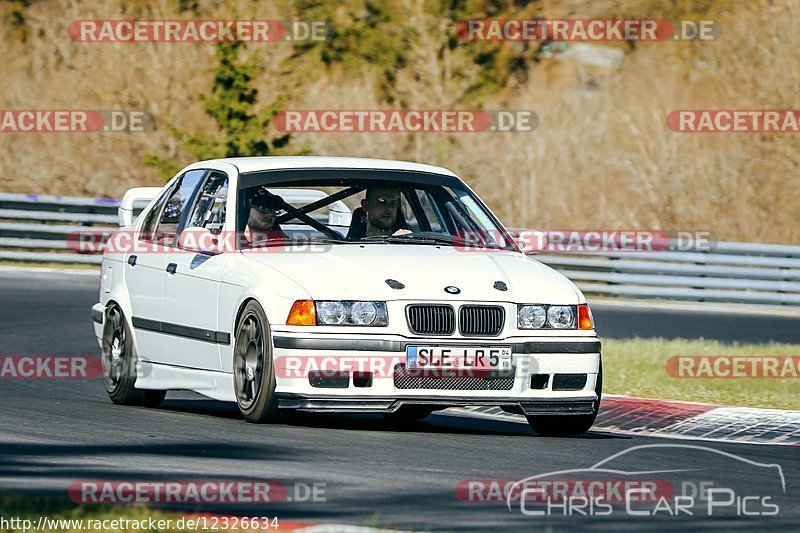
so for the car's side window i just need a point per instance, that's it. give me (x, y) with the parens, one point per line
(149, 225)
(476, 218)
(477, 214)
(175, 206)
(209, 209)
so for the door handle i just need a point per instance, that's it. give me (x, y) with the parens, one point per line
(172, 268)
(132, 260)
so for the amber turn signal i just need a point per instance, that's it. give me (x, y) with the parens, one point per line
(303, 313)
(584, 317)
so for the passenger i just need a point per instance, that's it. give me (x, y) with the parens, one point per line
(262, 223)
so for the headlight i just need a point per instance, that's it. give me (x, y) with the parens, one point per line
(560, 316)
(544, 316)
(351, 313)
(330, 313)
(531, 316)
(363, 313)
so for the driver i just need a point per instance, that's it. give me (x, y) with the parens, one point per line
(381, 207)
(262, 223)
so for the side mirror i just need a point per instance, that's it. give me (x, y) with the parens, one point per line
(199, 240)
(132, 198)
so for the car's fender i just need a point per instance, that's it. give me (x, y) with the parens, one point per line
(243, 280)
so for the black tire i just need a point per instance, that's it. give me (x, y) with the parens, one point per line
(119, 363)
(253, 372)
(568, 425)
(409, 413)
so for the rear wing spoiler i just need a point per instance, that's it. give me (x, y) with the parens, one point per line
(135, 199)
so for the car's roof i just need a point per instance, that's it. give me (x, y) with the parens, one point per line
(256, 164)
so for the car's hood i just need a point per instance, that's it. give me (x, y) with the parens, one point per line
(359, 272)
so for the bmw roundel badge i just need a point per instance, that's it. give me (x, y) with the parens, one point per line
(450, 289)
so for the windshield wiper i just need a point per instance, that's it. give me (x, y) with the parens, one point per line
(317, 239)
(449, 240)
(280, 241)
(410, 239)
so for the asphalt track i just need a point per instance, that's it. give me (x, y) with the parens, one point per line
(54, 432)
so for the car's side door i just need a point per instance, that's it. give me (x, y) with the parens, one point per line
(145, 264)
(191, 283)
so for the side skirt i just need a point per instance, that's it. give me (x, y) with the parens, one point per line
(215, 385)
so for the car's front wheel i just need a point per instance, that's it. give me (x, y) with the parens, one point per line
(568, 425)
(119, 363)
(253, 371)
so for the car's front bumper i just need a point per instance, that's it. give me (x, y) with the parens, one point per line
(548, 356)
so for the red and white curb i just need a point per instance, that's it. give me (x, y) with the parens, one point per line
(680, 420)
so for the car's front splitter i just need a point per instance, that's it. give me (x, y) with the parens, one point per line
(529, 406)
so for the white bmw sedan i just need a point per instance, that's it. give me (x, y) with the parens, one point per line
(338, 285)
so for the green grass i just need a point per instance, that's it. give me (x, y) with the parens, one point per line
(637, 367)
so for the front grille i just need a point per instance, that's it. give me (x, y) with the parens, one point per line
(431, 319)
(403, 379)
(480, 320)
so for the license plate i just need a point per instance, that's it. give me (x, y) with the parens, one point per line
(456, 357)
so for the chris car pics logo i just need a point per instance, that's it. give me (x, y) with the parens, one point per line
(655, 480)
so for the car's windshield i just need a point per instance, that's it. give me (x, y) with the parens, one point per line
(366, 207)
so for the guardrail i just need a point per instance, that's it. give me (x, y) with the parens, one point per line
(732, 272)
(34, 229)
